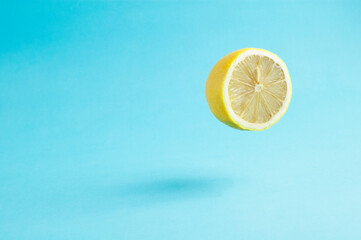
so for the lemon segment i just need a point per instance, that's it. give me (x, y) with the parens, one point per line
(249, 89)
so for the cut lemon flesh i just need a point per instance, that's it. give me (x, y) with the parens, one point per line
(249, 89)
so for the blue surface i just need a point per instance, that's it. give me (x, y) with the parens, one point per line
(105, 132)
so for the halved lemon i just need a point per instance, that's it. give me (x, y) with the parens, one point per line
(249, 89)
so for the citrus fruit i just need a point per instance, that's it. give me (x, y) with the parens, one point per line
(249, 89)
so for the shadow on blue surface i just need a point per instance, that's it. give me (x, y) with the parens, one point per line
(160, 191)
(95, 200)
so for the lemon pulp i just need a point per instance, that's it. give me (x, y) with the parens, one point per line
(257, 89)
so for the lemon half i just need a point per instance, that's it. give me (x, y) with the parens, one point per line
(249, 89)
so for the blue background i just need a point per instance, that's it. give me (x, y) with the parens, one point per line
(105, 132)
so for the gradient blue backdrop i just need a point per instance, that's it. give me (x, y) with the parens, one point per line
(105, 132)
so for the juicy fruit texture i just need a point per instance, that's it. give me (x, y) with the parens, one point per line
(249, 89)
(257, 89)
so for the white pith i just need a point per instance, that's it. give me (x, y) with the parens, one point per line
(258, 87)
